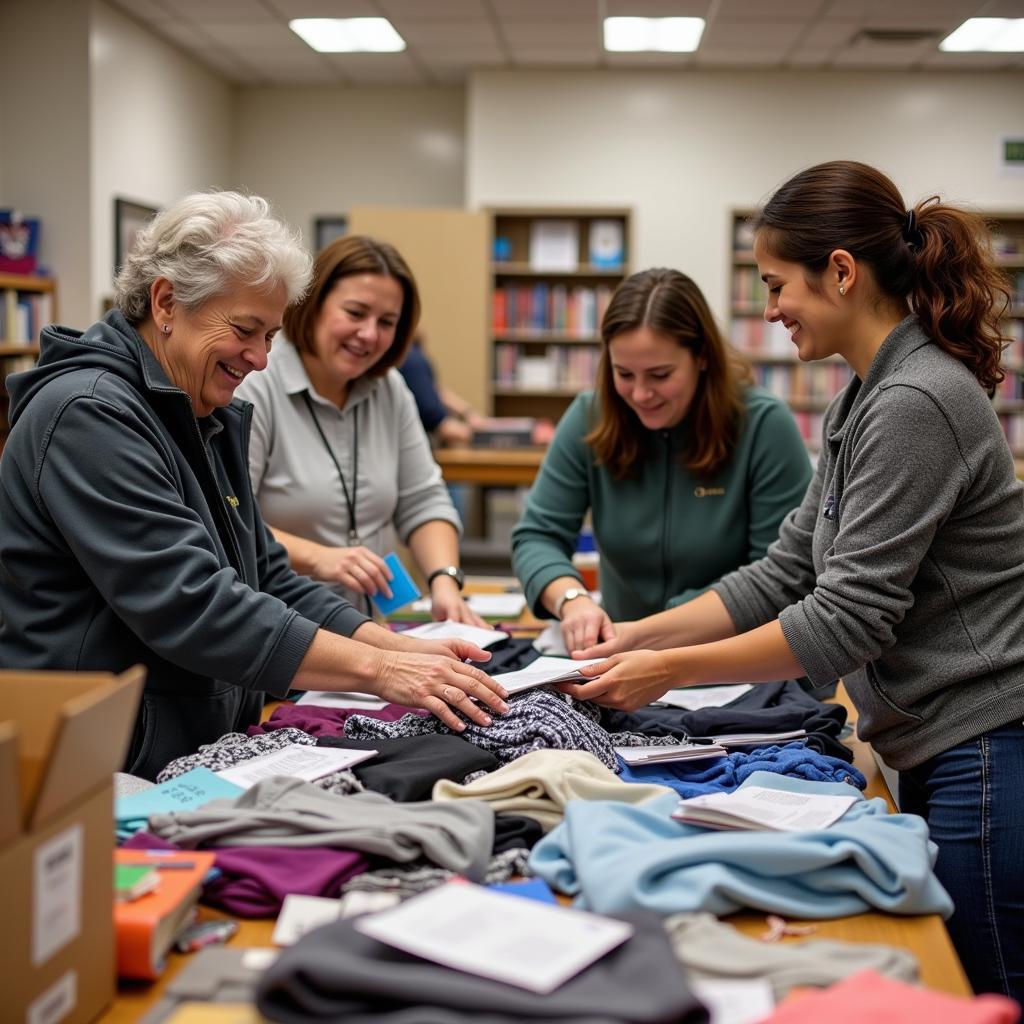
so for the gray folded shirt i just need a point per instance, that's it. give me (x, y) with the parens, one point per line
(282, 811)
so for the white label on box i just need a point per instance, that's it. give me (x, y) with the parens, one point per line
(56, 894)
(56, 1002)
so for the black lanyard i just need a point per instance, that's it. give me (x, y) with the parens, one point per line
(350, 499)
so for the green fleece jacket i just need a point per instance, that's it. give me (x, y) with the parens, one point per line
(663, 535)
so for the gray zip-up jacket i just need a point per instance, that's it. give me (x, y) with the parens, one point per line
(903, 569)
(129, 533)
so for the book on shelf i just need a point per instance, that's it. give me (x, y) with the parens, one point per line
(554, 245)
(761, 809)
(606, 245)
(145, 928)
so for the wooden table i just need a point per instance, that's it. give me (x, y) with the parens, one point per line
(490, 467)
(924, 936)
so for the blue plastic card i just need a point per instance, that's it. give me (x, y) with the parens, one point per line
(403, 589)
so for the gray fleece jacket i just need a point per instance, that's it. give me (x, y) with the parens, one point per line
(130, 534)
(903, 569)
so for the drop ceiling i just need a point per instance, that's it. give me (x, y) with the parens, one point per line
(249, 42)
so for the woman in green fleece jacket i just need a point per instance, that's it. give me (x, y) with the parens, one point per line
(686, 469)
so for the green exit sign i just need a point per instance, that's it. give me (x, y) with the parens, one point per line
(1011, 153)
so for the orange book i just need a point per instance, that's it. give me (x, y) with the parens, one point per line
(147, 927)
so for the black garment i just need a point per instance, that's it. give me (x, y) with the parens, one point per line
(130, 534)
(509, 656)
(768, 707)
(406, 769)
(515, 831)
(334, 973)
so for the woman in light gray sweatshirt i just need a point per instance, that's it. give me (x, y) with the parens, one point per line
(903, 569)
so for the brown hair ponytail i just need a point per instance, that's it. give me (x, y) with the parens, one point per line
(935, 256)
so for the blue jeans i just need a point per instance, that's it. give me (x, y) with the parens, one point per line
(972, 797)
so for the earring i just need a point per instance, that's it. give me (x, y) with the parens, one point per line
(842, 289)
(167, 328)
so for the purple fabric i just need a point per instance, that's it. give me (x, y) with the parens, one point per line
(254, 881)
(321, 721)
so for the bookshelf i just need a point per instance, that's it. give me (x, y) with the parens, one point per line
(808, 387)
(553, 272)
(27, 304)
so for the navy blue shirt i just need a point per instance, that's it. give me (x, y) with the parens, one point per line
(419, 375)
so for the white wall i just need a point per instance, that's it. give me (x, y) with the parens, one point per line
(318, 151)
(161, 126)
(683, 149)
(45, 148)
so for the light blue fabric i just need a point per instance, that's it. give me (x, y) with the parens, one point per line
(725, 774)
(614, 857)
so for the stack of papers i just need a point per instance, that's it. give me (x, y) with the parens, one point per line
(752, 739)
(546, 670)
(678, 752)
(448, 630)
(295, 760)
(758, 808)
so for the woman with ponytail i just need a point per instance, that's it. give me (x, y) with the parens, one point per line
(902, 572)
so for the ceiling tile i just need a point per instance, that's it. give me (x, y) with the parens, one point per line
(828, 34)
(191, 37)
(1003, 9)
(552, 32)
(989, 61)
(289, 9)
(886, 55)
(464, 58)
(657, 8)
(739, 57)
(376, 68)
(510, 10)
(758, 8)
(451, 34)
(144, 10)
(807, 58)
(422, 10)
(557, 56)
(265, 34)
(218, 10)
(750, 33)
(649, 60)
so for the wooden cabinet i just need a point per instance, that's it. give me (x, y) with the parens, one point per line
(553, 273)
(27, 304)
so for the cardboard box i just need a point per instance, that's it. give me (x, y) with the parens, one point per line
(62, 736)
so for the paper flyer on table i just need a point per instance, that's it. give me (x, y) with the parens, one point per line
(297, 761)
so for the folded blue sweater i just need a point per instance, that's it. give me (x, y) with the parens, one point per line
(614, 857)
(689, 778)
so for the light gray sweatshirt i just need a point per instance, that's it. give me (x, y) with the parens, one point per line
(902, 571)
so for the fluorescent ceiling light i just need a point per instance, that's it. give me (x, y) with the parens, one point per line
(662, 35)
(348, 35)
(999, 35)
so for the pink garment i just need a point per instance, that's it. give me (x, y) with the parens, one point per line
(253, 881)
(321, 721)
(868, 996)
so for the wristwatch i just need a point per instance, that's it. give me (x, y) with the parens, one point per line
(448, 570)
(570, 595)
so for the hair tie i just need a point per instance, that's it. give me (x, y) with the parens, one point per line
(911, 233)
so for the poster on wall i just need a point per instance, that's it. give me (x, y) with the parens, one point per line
(129, 219)
(328, 228)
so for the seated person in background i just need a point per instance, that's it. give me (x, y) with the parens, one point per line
(130, 532)
(338, 457)
(443, 413)
(686, 468)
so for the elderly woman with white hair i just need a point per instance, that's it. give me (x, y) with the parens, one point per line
(130, 529)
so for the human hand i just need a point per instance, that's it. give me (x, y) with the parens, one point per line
(453, 431)
(439, 682)
(623, 638)
(359, 569)
(625, 681)
(584, 623)
(447, 602)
